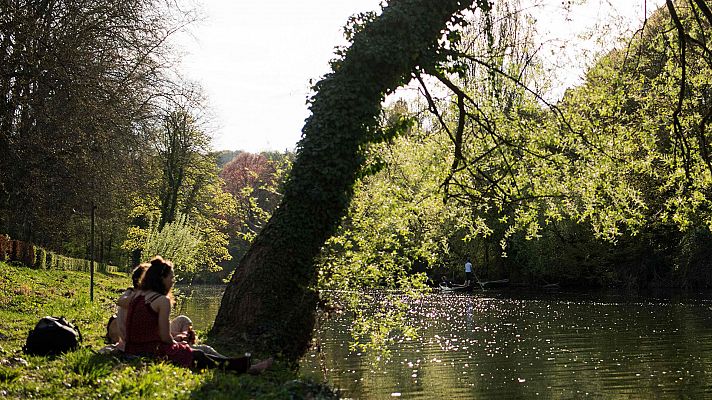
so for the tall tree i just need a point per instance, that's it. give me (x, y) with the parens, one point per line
(179, 144)
(187, 186)
(77, 80)
(270, 301)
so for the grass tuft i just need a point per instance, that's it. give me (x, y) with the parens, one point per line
(89, 366)
(8, 375)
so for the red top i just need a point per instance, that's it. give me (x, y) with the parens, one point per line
(143, 338)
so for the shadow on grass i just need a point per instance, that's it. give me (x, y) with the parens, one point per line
(78, 373)
(278, 382)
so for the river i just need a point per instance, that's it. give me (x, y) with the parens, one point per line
(514, 344)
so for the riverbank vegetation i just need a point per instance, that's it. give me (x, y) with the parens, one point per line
(26, 295)
(606, 187)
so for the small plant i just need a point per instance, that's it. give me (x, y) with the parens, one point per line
(8, 375)
(89, 366)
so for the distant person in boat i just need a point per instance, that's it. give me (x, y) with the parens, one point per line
(148, 326)
(468, 271)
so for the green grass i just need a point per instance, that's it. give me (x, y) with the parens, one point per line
(26, 295)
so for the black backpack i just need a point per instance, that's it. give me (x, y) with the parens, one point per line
(52, 336)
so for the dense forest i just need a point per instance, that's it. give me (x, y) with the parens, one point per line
(606, 186)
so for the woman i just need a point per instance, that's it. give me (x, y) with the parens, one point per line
(148, 325)
(116, 327)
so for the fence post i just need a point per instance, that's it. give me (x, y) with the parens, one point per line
(91, 262)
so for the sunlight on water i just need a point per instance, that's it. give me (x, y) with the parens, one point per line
(502, 345)
(507, 346)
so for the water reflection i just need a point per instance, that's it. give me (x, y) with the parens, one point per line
(497, 345)
(514, 346)
(200, 303)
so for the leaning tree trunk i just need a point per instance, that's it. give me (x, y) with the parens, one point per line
(270, 302)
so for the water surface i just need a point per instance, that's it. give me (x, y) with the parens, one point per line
(496, 345)
(510, 344)
(200, 303)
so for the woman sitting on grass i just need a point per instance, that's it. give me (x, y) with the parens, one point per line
(116, 327)
(148, 326)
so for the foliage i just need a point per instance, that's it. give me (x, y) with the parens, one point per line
(182, 241)
(78, 83)
(624, 155)
(92, 119)
(33, 256)
(397, 220)
(668, 167)
(187, 184)
(255, 182)
(590, 190)
(177, 241)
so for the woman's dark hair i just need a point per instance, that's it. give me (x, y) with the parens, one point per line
(152, 279)
(137, 274)
(108, 339)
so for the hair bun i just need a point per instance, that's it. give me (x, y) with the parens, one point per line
(158, 260)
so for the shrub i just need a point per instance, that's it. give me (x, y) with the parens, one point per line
(49, 260)
(40, 258)
(178, 241)
(5, 247)
(23, 252)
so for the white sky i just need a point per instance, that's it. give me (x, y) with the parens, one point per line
(254, 59)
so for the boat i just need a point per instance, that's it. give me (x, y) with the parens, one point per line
(453, 287)
(444, 287)
(494, 284)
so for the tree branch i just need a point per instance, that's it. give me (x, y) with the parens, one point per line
(677, 126)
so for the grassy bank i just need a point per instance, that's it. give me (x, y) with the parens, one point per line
(26, 295)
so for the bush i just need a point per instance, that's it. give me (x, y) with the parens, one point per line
(49, 260)
(36, 257)
(178, 241)
(40, 258)
(5, 247)
(23, 252)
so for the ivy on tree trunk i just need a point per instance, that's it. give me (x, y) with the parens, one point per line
(270, 303)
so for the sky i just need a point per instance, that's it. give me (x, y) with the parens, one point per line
(255, 59)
